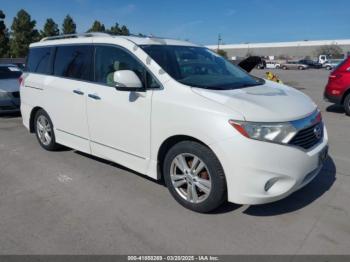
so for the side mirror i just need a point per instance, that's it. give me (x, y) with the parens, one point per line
(127, 80)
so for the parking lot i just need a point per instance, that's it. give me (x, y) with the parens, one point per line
(70, 203)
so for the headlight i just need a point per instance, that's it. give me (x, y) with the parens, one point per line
(271, 132)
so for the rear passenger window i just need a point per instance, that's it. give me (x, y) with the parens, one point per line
(38, 60)
(73, 62)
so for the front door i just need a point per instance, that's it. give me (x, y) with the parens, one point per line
(119, 121)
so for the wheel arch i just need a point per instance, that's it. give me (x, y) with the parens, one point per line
(347, 92)
(32, 117)
(169, 143)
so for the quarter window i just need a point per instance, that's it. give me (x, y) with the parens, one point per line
(38, 60)
(73, 62)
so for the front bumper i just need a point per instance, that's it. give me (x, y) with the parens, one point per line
(250, 166)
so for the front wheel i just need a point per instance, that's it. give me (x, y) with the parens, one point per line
(194, 176)
(44, 131)
(301, 68)
(284, 68)
(347, 104)
(328, 67)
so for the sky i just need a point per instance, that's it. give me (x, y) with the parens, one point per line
(201, 21)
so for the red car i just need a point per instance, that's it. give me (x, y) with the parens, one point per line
(338, 88)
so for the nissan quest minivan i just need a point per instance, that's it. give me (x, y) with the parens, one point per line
(176, 111)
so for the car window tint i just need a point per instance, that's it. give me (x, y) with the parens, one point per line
(8, 72)
(73, 62)
(38, 60)
(109, 59)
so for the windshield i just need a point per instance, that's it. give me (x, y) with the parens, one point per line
(8, 72)
(200, 67)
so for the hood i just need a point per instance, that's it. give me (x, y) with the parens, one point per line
(9, 85)
(270, 102)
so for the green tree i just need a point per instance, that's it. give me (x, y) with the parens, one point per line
(69, 26)
(97, 26)
(4, 37)
(221, 52)
(23, 33)
(114, 30)
(333, 51)
(124, 30)
(50, 28)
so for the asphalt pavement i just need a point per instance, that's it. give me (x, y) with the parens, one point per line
(71, 203)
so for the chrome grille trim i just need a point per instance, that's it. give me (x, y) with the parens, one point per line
(306, 136)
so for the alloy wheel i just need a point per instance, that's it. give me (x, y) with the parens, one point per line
(44, 130)
(190, 178)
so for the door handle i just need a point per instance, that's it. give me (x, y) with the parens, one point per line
(78, 92)
(93, 96)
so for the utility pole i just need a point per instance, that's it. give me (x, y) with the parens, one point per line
(219, 41)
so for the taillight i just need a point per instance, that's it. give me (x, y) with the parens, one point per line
(20, 80)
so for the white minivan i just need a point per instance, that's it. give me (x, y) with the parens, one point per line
(176, 111)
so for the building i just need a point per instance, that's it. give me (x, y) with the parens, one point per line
(292, 49)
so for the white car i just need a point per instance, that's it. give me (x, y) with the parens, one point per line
(174, 110)
(272, 65)
(9, 88)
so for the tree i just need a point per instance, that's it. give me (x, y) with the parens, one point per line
(124, 30)
(221, 52)
(23, 33)
(97, 26)
(50, 28)
(333, 51)
(68, 26)
(116, 30)
(4, 37)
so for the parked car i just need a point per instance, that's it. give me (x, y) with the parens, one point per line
(272, 65)
(262, 64)
(9, 88)
(172, 109)
(338, 87)
(310, 63)
(331, 64)
(294, 65)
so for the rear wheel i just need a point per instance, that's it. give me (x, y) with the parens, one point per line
(301, 68)
(194, 176)
(328, 67)
(284, 68)
(347, 104)
(44, 131)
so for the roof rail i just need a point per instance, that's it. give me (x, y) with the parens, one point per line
(48, 38)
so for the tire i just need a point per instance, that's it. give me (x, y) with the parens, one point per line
(346, 104)
(328, 67)
(301, 68)
(284, 68)
(44, 131)
(208, 183)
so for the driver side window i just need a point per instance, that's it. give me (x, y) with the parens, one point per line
(109, 59)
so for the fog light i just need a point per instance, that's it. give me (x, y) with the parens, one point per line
(270, 183)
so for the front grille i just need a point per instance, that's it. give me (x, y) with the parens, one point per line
(308, 137)
(15, 94)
